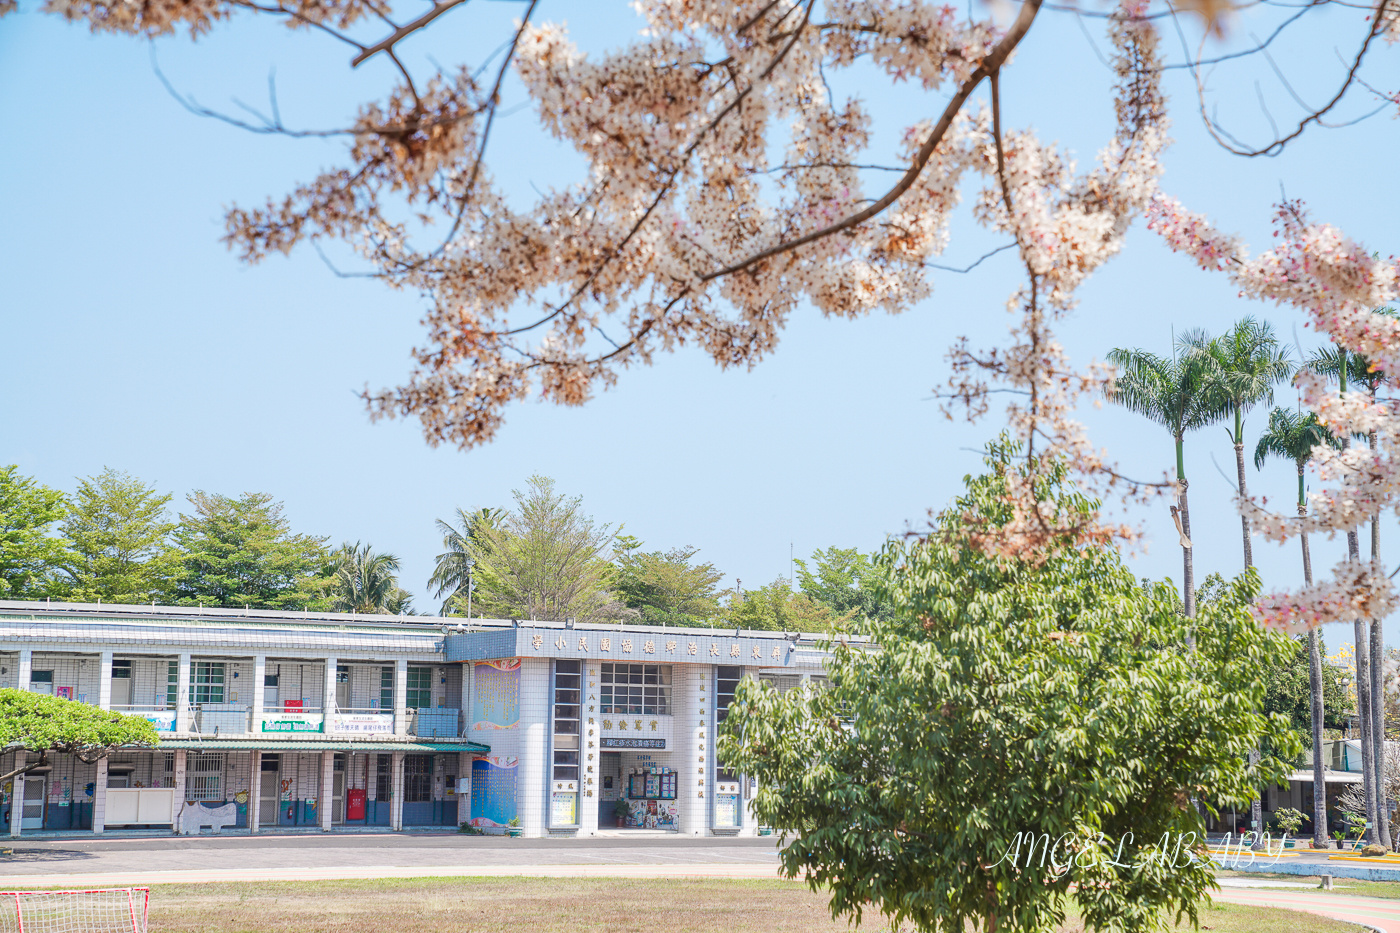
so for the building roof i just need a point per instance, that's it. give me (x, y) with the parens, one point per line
(314, 745)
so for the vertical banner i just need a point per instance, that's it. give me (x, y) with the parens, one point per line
(493, 791)
(497, 694)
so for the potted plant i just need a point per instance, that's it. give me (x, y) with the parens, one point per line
(1289, 821)
(621, 811)
(513, 829)
(1339, 835)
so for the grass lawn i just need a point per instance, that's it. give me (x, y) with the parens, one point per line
(560, 905)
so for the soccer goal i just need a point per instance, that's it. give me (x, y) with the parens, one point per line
(109, 910)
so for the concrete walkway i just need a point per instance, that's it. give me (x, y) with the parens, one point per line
(1382, 914)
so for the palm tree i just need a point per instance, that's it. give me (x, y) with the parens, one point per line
(1244, 365)
(453, 569)
(1172, 393)
(1348, 367)
(365, 581)
(1292, 436)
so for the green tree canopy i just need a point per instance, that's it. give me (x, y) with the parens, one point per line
(41, 723)
(776, 608)
(843, 579)
(366, 581)
(118, 540)
(666, 587)
(242, 552)
(1010, 697)
(452, 571)
(30, 557)
(545, 559)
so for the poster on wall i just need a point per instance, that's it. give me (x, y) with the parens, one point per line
(653, 814)
(497, 694)
(493, 791)
(63, 693)
(726, 809)
(563, 808)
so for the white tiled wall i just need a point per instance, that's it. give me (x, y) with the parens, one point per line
(533, 738)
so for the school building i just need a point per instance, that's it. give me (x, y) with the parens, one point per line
(284, 720)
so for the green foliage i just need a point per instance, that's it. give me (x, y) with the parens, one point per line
(118, 540)
(365, 581)
(1012, 697)
(452, 570)
(844, 580)
(1288, 692)
(1243, 366)
(242, 552)
(665, 587)
(1288, 819)
(543, 560)
(29, 556)
(42, 723)
(776, 608)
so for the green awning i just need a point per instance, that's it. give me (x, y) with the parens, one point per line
(322, 745)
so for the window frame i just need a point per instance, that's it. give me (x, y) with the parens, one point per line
(645, 691)
(412, 692)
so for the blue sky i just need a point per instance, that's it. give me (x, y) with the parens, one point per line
(133, 339)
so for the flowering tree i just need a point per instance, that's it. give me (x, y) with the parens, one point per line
(694, 225)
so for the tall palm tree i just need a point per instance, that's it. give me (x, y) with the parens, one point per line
(1292, 436)
(1244, 365)
(453, 570)
(1353, 368)
(1172, 393)
(366, 581)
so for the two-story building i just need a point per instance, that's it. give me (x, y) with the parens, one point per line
(324, 721)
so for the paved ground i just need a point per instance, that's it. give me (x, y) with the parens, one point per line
(136, 860)
(1383, 915)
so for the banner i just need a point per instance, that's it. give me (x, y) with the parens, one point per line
(363, 723)
(496, 695)
(493, 791)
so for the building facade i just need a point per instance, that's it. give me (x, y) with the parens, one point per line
(273, 720)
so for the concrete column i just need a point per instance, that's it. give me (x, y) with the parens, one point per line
(323, 808)
(104, 690)
(17, 785)
(590, 759)
(400, 697)
(464, 801)
(532, 787)
(99, 790)
(179, 788)
(396, 794)
(184, 721)
(255, 788)
(328, 697)
(26, 667)
(259, 692)
(691, 692)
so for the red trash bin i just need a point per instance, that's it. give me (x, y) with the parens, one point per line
(355, 804)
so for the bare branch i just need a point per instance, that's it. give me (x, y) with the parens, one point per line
(407, 29)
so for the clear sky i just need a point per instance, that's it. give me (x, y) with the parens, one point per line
(132, 338)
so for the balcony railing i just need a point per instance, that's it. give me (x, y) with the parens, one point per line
(440, 722)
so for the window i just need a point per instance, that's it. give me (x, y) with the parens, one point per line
(420, 688)
(207, 681)
(172, 684)
(204, 774)
(726, 682)
(417, 778)
(636, 688)
(41, 682)
(121, 670)
(567, 677)
(383, 776)
(386, 688)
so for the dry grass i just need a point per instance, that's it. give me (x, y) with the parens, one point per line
(555, 905)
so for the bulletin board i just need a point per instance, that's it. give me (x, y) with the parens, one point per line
(496, 702)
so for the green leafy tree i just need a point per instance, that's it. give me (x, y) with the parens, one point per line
(545, 559)
(118, 540)
(776, 608)
(1172, 393)
(452, 571)
(30, 556)
(242, 552)
(666, 587)
(366, 581)
(40, 723)
(1010, 697)
(845, 580)
(1293, 436)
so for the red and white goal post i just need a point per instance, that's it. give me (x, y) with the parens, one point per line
(106, 910)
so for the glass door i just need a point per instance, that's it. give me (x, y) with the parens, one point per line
(32, 809)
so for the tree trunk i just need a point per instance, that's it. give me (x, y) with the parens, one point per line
(1363, 704)
(1318, 711)
(1378, 688)
(1188, 574)
(1244, 516)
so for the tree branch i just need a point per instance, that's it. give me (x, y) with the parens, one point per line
(404, 31)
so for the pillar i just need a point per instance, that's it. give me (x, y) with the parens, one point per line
(328, 694)
(21, 756)
(590, 759)
(396, 794)
(532, 787)
(179, 788)
(464, 773)
(99, 788)
(259, 696)
(691, 692)
(401, 697)
(104, 701)
(255, 788)
(183, 719)
(323, 809)
(26, 667)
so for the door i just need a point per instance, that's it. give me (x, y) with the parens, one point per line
(268, 798)
(338, 797)
(121, 692)
(342, 688)
(32, 812)
(270, 701)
